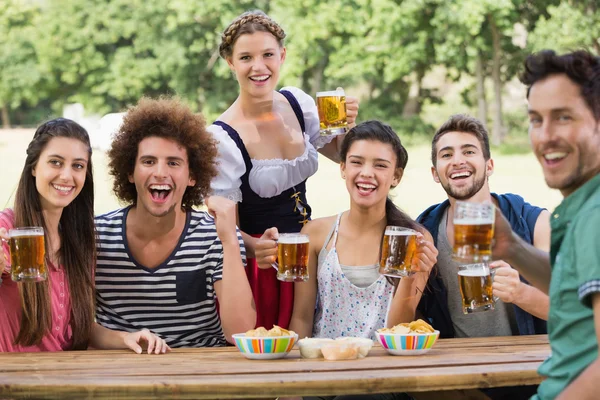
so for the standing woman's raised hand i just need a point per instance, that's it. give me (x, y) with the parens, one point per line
(351, 109)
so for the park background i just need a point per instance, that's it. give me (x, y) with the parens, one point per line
(412, 63)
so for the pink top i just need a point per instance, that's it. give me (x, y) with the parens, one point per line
(61, 336)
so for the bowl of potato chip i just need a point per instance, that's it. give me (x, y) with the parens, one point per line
(408, 339)
(263, 344)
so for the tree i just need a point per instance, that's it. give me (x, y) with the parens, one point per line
(317, 35)
(478, 37)
(569, 25)
(20, 81)
(107, 55)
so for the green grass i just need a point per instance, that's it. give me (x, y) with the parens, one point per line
(514, 145)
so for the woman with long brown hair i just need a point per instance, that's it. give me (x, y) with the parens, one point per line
(345, 294)
(56, 192)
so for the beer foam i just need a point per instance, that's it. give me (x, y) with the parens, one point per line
(334, 93)
(284, 239)
(474, 272)
(400, 233)
(14, 233)
(474, 221)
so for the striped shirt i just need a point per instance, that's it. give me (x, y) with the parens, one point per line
(176, 300)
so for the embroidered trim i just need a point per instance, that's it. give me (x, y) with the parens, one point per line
(233, 195)
(321, 141)
(280, 161)
(299, 207)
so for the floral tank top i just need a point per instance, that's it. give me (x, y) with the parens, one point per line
(343, 309)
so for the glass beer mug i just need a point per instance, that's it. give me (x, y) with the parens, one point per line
(473, 232)
(27, 254)
(332, 112)
(475, 284)
(292, 257)
(397, 250)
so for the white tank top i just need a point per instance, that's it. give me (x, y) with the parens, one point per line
(342, 308)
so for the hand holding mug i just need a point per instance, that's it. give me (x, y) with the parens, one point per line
(4, 257)
(425, 255)
(506, 285)
(265, 248)
(504, 237)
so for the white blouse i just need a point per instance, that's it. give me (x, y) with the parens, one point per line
(270, 177)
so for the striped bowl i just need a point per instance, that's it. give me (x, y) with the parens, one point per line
(264, 348)
(411, 344)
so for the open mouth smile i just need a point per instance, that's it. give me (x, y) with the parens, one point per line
(460, 175)
(366, 188)
(63, 189)
(160, 193)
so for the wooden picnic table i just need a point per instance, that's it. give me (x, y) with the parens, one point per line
(223, 373)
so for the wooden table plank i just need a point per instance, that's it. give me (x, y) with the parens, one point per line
(224, 373)
(283, 384)
(173, 364)
(232, 362)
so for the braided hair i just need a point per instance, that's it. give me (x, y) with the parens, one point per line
(248, 23)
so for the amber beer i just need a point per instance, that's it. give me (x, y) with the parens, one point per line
(27, 254)
(475, 283)
(473, 232)
(332, 112)
(473, 241)
(292, 256)
(397, 250)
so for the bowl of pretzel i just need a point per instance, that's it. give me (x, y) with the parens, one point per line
(263, 344)
(408, 339)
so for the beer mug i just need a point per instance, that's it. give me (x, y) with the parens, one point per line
(292, 257)
(27, 254)
(332, 112)
(473, 232)
(397, 250)
(475, 284)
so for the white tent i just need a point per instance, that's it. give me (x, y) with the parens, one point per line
(102, 136)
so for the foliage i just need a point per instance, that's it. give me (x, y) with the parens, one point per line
(107, 54)
(21, 81)
(568, 27)
(412, 130)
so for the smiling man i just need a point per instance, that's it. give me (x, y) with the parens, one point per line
(462, 164)
(564, 116)
(161, 265)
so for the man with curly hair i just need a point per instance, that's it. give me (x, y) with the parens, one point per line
(161, 264)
